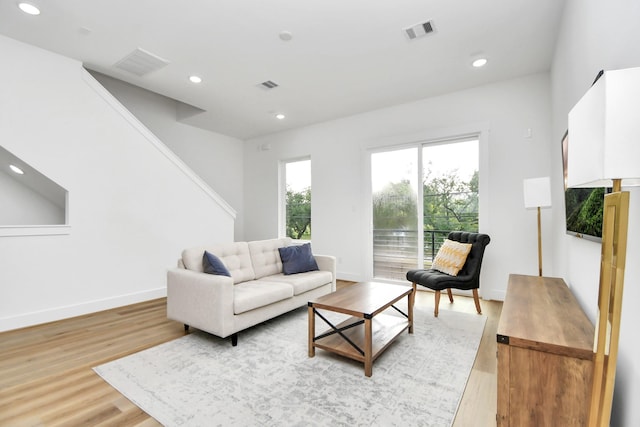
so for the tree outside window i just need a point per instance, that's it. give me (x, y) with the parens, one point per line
(298, 199)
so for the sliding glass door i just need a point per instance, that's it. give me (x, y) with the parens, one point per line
(436, 182)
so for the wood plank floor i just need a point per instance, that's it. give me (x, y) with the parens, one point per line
(46, 377)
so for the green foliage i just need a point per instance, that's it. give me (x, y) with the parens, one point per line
(449, 204)
(394, 207)
(584, 210)
(299, 214)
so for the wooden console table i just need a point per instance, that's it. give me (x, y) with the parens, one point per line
(545, 355)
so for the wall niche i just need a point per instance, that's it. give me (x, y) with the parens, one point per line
(27, 197)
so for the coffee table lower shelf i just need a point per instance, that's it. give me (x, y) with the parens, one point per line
(385, 328)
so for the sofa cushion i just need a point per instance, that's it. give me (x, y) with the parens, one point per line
(211, 264)
(302, 282)
(297, 259)
(257, 293)
(235, 257)
(265, 256)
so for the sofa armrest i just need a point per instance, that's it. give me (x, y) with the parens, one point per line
(327, 263)
(204, 301)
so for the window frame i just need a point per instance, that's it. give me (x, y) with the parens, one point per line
(472, 131)
(282, 193)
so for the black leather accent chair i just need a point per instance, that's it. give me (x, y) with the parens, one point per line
(468, 277)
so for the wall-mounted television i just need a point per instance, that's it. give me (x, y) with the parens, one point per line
(584, 206)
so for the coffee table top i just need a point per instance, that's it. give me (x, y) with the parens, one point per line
(365, 299)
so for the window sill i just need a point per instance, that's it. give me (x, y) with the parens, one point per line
(34, 230)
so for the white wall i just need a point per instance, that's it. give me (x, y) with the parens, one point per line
(216, 158)
(131, 209)
(338, 150)
(599, 35)
(23, 206)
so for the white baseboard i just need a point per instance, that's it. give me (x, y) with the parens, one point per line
(349, 277)
(65, 312)
(495, 295)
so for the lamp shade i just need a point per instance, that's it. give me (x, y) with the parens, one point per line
(537, 193)
(604, 132)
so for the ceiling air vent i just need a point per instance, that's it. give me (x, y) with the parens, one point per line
(268, 84)
(419, 30)
(141, 62)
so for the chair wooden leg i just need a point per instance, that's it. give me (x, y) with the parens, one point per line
(435, 311)
(450, 294)
(477, 301)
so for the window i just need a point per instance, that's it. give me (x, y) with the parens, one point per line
(394, 182)
(446, 200)
(296, 203)
(32, 204)
(450, 192)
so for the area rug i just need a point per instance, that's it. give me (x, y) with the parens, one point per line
(269, 380)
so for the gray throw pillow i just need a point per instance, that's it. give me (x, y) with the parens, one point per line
(297, 259)
(211, 264)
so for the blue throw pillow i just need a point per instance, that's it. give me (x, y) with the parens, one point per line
(211, 264)
(297, 259)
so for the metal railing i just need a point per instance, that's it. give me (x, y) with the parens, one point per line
(395, 251)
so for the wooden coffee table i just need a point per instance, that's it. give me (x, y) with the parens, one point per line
(368, 332)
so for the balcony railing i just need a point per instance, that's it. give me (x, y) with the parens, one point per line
(395, 251)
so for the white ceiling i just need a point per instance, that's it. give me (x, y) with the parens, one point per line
(346, 56)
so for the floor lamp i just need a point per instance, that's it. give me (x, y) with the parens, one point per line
(603, 151)
(537, 194)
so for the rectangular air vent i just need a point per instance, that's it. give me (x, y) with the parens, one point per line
(268, 84)
(141, 62)
(419, 30)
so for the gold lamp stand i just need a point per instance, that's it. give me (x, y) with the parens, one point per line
(537, 194)
(539, 244)
(612, 263)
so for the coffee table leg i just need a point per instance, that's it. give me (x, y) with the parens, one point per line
(412, 299)
(312, 331)
(368, 347)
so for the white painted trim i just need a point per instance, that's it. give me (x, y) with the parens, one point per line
(34, 230)
(145, 132)
(448, 133)
(495, 295)
(349, 277)
(282, 199)
(65, 312)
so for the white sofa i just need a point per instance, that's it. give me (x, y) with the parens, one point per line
(256, 291)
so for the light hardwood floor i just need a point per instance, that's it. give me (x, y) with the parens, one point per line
(46, 377)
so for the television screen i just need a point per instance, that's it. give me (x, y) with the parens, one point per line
(584, 206)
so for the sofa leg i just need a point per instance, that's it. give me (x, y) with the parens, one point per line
(435, 311)
(450, 295)
(186, 327)
(234, 339)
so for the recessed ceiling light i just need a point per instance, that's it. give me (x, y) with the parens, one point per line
(29, 8)
(285, 36)
(16, 169)
(480, 62)
(195, 79)
(280, 116)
